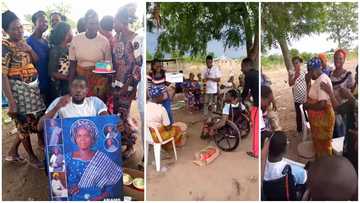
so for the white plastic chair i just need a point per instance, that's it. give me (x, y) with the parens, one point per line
(305, 124)
(157, 145)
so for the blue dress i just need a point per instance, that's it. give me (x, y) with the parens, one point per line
(75, 169)
(41, 48)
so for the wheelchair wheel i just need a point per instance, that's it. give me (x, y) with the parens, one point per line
(227, 138)
(244, 126)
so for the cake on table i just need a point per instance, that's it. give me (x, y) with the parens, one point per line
(103, 67)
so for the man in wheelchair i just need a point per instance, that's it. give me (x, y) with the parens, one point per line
(232, 111)
(282, 178)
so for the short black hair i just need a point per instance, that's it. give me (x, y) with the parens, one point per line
(296, 58)
(248, 62)
(233, 93)
(81, 25)
(107, 23)
(265, 91)
(81, 78)
(35, 16)
(155, 60)
(63, 18)
(90, 14)
(209, 57)
(278, 143)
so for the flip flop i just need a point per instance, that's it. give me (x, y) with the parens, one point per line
(15, 159)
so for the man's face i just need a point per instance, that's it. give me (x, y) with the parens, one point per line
(78, 90)
(209, 63)
(41, 23)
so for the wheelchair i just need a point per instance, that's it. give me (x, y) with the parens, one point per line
(228, 137)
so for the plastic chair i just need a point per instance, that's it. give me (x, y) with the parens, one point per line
(157, 145)
(305, 124)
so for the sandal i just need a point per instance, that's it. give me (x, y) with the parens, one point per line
(252, 155)
(15, 159)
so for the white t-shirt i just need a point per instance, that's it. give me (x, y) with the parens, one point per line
(211, 86)
(315, 90)
(156, 113)
(58, 189)
(274, 171)
(92, 106)
(226, 109)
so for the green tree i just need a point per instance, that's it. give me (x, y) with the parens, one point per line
(188, 27)
(294, 52)
(282, 22)
(63, 8)
(342, 23)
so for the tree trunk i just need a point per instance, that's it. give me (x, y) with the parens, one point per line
(285, 52)
(254, 52)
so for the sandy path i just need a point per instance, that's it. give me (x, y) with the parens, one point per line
(232, 176)
(23, 182)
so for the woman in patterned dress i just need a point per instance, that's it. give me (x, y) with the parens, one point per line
(127, 63)
(340, 78)
(58, 67)
(20, 86)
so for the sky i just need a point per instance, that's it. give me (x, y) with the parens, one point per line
(217, 47)
(315, 43)
(78, 7)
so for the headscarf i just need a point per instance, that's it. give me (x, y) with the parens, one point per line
(85, 124)
(7, 18)
(59, 32)
(156, 91)
(342, 51)
(314, 63)
(323, 57)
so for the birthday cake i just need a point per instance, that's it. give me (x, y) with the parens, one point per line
(103, 67)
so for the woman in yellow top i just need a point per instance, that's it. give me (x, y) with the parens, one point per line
(20, 86)
(320, 111)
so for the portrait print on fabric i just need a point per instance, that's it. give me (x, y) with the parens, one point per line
(84, 158)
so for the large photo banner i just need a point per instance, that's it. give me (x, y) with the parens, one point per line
(84, 158)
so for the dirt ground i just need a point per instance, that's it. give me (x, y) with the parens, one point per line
(232, 175)
(286, 110)
(22, 182)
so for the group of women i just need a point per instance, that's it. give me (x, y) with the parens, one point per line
(37, 70)
(330, 102)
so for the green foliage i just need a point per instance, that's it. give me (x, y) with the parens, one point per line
(149, 56)
(294, 52)
(290, 20)
(63, 8)
(188, 27)
(342, 23)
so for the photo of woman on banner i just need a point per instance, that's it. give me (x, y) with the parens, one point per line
(57, 161)
(58, 186)
(54, 134)
(91, 173)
